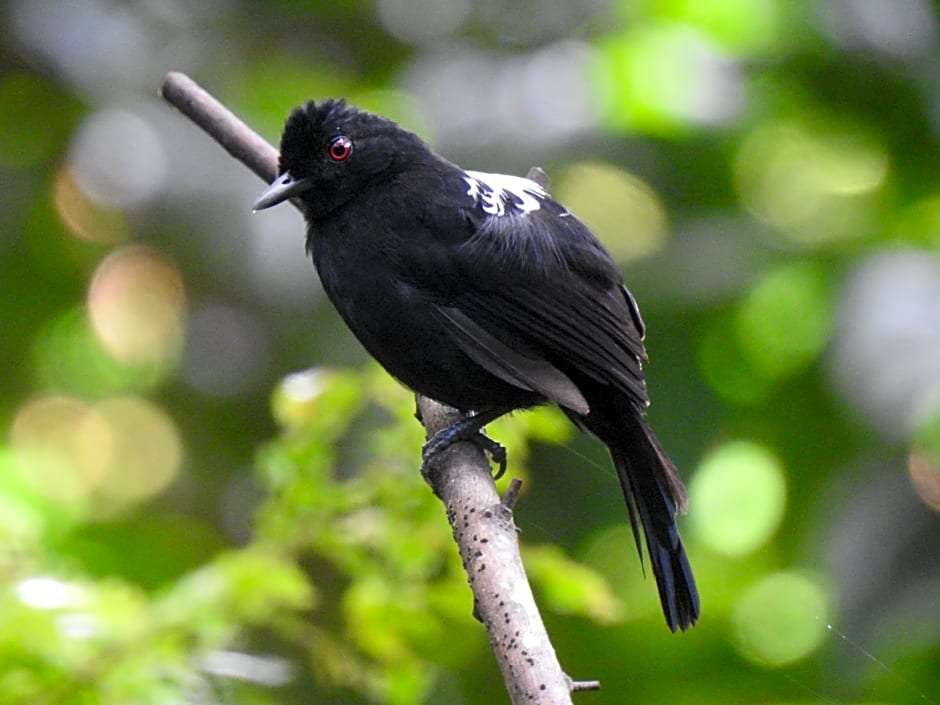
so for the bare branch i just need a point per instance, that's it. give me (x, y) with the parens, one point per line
(239, 140)
(489, 548)
(482, 524)
(511, 495)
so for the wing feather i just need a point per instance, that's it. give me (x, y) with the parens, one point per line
(529, 372)
(569, 329)
(531, 295)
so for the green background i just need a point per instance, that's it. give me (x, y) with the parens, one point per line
(209, 494)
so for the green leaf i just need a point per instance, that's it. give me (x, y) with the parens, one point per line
(569, 587)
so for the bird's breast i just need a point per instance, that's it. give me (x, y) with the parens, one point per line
(389, 316)
(399, 324)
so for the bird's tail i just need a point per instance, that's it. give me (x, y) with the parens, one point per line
(654, 495)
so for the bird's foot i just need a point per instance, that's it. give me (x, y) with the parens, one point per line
(495, 450)
(468, 429)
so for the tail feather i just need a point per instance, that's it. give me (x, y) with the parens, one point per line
(654, 495)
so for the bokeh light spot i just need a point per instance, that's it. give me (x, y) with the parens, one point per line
(147, 450)
(472, 98)
(623, 211)
(48, 593)
(741, 26)
(85, 218)
(117, 159)
(427, 20)
(781, 619)
(117, 452)
(137, 304)
(925, 477)
(68, 446)
(884, 355)
(664, 77)
(904, 31)
(814, 188)
(739, 495)
(785, 321)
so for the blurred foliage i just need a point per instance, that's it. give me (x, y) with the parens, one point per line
(208, 494)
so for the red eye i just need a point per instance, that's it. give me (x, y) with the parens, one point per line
(340, 148)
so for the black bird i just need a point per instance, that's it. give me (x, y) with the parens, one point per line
(482, 292)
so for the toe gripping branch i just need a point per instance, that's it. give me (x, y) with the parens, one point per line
(467, 429)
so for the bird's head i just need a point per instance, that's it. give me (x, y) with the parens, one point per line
(332, 151)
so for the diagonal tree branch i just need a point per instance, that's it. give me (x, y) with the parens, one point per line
(482, 524)
(221, 124)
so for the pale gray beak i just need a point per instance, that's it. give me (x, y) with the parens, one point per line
(284, 187)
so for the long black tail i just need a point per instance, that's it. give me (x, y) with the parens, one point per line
(654, 495)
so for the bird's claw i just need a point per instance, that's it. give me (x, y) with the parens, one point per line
(444, 438)
(495, 450)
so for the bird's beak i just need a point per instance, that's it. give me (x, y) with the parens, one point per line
(284, 187)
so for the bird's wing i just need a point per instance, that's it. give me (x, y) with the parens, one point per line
(516, 364)
(563, 329)
(539, 299)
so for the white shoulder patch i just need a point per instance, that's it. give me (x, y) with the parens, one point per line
(499, 194)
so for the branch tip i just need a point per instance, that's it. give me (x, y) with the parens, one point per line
(511, 496)
(578, 686)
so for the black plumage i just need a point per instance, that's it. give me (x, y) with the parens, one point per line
(482, 292)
